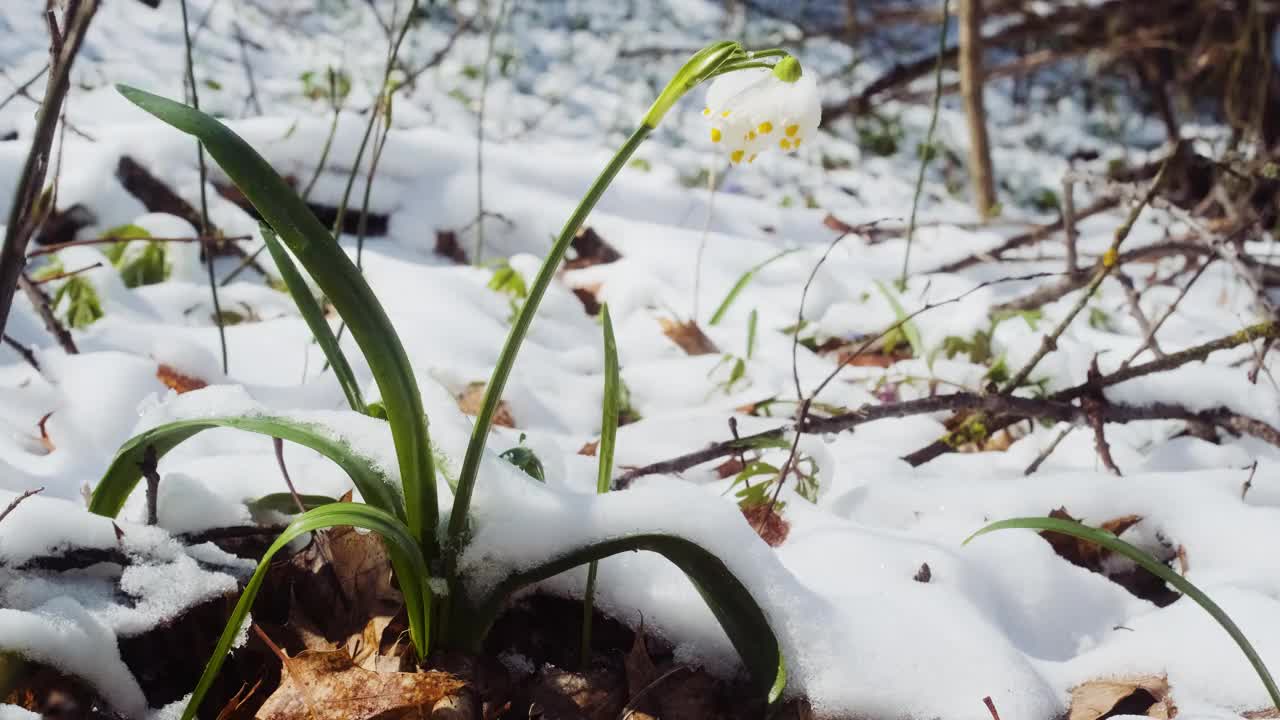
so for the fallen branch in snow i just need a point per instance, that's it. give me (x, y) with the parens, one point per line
(1006, 410)
(1010, 408)
(1264, 331)
(18, 501)
(1030, 237)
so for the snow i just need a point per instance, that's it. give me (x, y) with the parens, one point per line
(1003, 617)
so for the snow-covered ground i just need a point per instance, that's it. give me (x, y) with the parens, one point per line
(1003, 617)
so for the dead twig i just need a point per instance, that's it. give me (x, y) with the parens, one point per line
(1135, 309)
(1094, 405)
(1260, 331)
(66, 274)
(1149, 339)
(26, 352)
(1054, 407)
(1109, 261)
(25, 212)
(13, 505)
(1044, 454)
(1028, 238)
(22, 89)
(150, 470)
(43, 307)
(1248, 483)
(278, 445)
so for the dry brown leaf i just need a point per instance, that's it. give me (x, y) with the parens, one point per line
(768, 523)
(1082, 552)
(732, 466)
(598, 695)
(343, 597)
(328, 686)
(640, 670)
(837, 224)
(472, 398)
(447, 246)
(688, 336)
(589, 449)
(175, 380)
(45, 440)
(591, 249)
(1135, 579)
(589, 295)
(1142, 695)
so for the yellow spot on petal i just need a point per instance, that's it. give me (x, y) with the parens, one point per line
(752, 158)
(766, 127)
(797, 146)
(785, 144)
(792, 130)
(706, 111)
(715, 134)
(751, 135)
(724, 114)
(737, 155)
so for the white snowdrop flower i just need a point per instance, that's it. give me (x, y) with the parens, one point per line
(758, 109)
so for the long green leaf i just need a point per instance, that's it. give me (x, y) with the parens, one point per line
(730, 601)
(742, 283)
(515, 337)
(314, 317)
(406, 559)
(604, 459)
(341, 282)
(1155, 567)
(126, 468)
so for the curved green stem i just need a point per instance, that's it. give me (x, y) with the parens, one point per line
(735, 66)
(498, 380)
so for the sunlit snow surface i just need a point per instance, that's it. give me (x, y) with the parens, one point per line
(1003, 617)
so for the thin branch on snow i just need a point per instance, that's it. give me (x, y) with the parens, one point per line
(1006, 410)
(13, 505)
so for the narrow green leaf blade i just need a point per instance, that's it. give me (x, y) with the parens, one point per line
(729, 600)
(609, 410)
(314, 317)
(1155, 567)
(742, 283)
(340, 281)
(126, 467)
(604, 458)
(406, 559)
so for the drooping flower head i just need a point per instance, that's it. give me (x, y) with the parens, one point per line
(757, 109)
